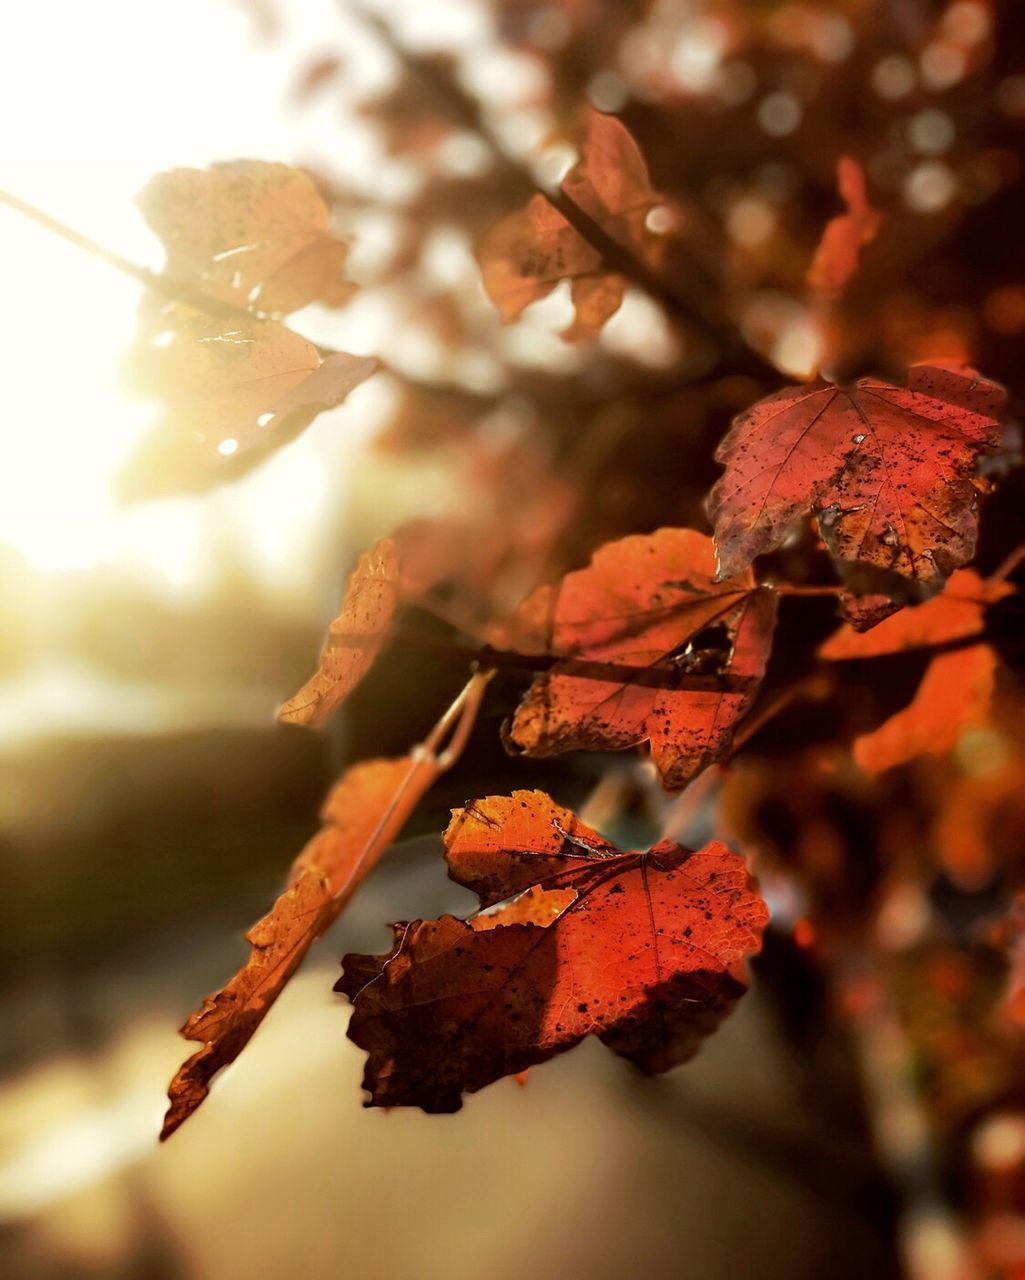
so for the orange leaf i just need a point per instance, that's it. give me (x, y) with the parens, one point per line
(323, 879)
(836, 258)
(644, 950)
(956, 692)
(643, 619)
(353, 638)
(248, 232)
(952, 615)
(890, 472)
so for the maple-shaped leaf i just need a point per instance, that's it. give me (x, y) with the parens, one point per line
(836, 258)
(248, 232)
(357, 828)
(230, 387)
(353, 638)
(890, 472)
(957, 612)
(643, 950)
(955, 693)
(526, 254)
(649, 646)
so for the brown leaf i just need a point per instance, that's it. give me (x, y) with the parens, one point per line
(357, 828)
(643, 950)
(645, 617)
(890, 472)
(353, 638)
(250, 233)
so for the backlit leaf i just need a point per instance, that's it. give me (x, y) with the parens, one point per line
(651, 647)
(643, 950)
(890, 472)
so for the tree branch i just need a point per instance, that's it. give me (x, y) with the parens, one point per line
(466, 111)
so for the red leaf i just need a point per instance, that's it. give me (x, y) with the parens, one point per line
(353, 638)
(836, 258)
(323, 879)
(643, 950)
(628, 629)
(889, 471)
(525, 255)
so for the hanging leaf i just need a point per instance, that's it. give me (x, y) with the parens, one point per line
(250, 233)
(649, 647)
(357, 828)
(353, 638)
(643, 950)
(890, 472)
(955, 694)
(526, 254)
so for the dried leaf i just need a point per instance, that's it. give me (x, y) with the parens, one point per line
(643, 950)
(353, 638)
(890, 472)
(357, 828)
(525, 255)
(836, 258)
(646, 617)
(248, 232)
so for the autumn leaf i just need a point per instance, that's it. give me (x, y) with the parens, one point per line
(650, 647)
(955, 693)
(230, 387)
(957, 612)
(575, 938)
(353, 638)
(526, 254)
(890, 472)
(248, 232)
(836, 258)
(359, 823)
(957, 687)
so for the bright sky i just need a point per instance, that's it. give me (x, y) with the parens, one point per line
(96, 98)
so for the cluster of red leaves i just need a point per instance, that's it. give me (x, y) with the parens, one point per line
(575, 938)
(662, 639)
